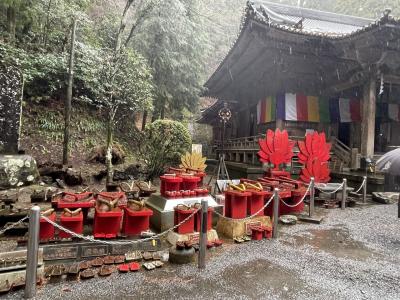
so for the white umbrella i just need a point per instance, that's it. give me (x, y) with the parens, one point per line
(390, 162)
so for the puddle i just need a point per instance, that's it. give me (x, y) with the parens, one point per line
(336, 242)
(255, 277)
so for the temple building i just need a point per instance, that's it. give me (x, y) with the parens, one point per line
(302, 70)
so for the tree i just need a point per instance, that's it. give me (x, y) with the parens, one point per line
(173, 41)
(124, 81)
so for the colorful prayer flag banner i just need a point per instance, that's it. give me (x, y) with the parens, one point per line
(299, 107)
(350, 110)
(394, 112)
(266, 110)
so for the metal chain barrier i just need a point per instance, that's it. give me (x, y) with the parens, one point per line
(13, 225)
(329, 193)
(249, 217)
(93, 240)
(362, 185)
(301, 200)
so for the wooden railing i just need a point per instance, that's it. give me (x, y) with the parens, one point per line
(342, 151)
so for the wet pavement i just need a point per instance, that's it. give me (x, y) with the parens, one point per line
(353, 254)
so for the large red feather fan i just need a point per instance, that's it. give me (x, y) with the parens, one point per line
(276, 148)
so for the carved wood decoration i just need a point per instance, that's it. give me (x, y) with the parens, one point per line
(276, 148)
(314, 155)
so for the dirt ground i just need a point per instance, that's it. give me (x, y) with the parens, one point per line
(353, 254)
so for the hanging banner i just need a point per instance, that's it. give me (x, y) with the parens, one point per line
(350, 110)
(266, 110)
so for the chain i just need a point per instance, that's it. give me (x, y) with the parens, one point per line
(301, 200)
(362, 185)
(249, 217)
(13, 225)
(93, 240)
(330, 193)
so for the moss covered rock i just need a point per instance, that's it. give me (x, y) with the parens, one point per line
(17, 170)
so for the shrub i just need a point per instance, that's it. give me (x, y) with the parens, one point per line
(162, 144)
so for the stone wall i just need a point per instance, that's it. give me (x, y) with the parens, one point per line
(10, 108)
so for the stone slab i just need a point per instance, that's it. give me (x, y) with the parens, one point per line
(308, 219)
(13, 279)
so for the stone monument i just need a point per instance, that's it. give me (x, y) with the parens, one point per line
(15, 170)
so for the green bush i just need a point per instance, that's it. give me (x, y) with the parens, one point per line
(162, 144)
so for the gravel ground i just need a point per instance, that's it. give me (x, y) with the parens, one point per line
(353, 254)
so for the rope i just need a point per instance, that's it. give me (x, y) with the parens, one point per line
(249, 217)
(93, 240)
(301, 200)
(361, 186)
(5, 228)
(330, 193)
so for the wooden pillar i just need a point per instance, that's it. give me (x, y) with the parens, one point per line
(368, 118)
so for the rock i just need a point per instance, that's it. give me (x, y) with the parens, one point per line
(288, 219)
(73, 177)
(61, 183)
(47, 179)
(133, 171)
(184, 256)
(99, 154)
(43, 194)
(120, 176)
(385, 198)
(17, 170)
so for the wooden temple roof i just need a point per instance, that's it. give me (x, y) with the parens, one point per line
(282, 48)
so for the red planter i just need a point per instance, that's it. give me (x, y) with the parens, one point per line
(257, 233)
(209, 219)
(179, 216)
(236, 204)
(170, 184)
(255, 202)
(201, 192)
(201, 175)
(136, 222)
(107, 224)
(46, 231)
(74, 223)
(190, 182)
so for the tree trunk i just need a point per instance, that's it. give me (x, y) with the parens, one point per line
(47, 24)
(11, 22)
(162, 109)
(67, 113)
(110, 128)
(144, 120)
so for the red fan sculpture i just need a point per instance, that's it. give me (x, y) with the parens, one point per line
(276, 149)
(314, 155)
(317, 169)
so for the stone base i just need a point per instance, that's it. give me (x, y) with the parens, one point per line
(236, 228)
(174, 237)
(308, 219)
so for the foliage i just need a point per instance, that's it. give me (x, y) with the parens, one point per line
(162, 144)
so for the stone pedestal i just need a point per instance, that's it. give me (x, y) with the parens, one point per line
(163, 209)
(174, 237)
(236, 228)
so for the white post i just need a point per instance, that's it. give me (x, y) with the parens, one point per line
(276, 214)
(32, 253)
(344, 194)
(312, 196)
